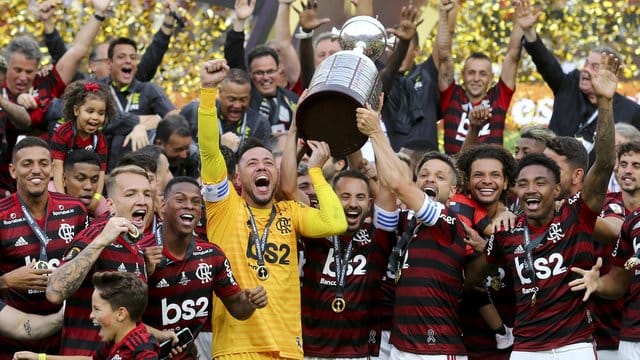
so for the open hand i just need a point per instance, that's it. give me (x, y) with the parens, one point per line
(605, 79)
(309, 17)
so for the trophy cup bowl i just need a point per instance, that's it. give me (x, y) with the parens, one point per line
(342, 83)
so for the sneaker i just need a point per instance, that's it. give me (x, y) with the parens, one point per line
(505, 341)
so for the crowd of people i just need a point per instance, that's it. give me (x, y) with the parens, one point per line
(213, 229)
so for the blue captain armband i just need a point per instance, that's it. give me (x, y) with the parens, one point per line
(429, 212)
(215, 192)
(385, 220)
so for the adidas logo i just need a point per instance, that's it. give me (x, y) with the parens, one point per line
(21, 242)
(518, 250)
(162, 284)
(122, 268)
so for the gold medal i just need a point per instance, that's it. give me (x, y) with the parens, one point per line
(338, 305)
(533, 298)
(135, 234)
(263, 273)
(631, 263)
(496, 284)
(398, 274)
(41, 265)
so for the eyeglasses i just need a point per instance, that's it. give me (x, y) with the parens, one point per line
(261, 73)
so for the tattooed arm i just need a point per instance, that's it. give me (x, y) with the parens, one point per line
(22, 326)
(443, 45)
(604, 81)
(68, 278)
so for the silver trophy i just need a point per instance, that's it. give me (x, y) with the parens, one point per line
(343, 82)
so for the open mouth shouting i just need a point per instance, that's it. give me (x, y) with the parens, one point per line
(532, 203)
(187, 219)
(126, 73)
(138, 217)
(262, 183)
(431, 191)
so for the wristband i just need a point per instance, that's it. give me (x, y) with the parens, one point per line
(99, 18)
(301, 34)
(97, 196)
(168, 26)
(42, 356)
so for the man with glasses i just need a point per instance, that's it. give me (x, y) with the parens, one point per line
(275, 102)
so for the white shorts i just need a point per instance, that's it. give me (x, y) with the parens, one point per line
(582, 351)
(385, 347)
(402, 355)
(203, 344)
(607, 354)
(628, 350)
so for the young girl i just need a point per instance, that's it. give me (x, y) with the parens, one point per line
(88, 106)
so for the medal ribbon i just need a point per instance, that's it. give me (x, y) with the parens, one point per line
(260, 242)
(127, 108)
(40, 234)
(397, 253)
(342, 264)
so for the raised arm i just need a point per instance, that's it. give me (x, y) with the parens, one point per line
(409, 21)
(289, 164)
(152, 57)
(392, 170)
(512, 58)
(70, 61)
(363, 7)
(443, 44)
(308, 23)
(213, 167)
(479, 116)
(604, 82)
(546, 63)
(329, 219)
(52, 39)
(234, 43)
(67, 279)
(288, 56)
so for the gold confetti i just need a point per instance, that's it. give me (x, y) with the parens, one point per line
(569, 28)
(202, 38)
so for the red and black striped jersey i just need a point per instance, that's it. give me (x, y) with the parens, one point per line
(79, 335)
(138, 344)
(628, 245)
(425, 318)
(19, 245)
(608, 313)
(346, 334)
(64, 141)
(180, 290)
(559, 317)
(455, 107)
(470, 212)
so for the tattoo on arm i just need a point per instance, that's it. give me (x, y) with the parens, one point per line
(68, 278)
(27, 328)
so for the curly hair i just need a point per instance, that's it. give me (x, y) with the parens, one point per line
(486, 151)
(78, 92)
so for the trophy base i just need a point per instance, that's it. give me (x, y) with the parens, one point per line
(329, 116)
